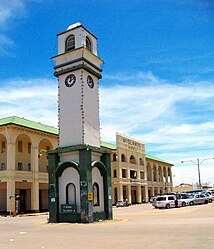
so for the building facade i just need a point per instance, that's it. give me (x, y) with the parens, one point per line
(136, 176)
(23, 164)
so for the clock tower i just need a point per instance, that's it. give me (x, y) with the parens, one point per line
(79, 169)
(78, 71)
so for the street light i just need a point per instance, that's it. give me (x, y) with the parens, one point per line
(198, 163)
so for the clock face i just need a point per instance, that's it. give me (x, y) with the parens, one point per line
(90, 81)
(70, 80)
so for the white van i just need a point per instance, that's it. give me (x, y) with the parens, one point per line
(165, 201)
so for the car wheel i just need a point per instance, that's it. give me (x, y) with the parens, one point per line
(210, 200)
(167, 206)
(206, 202)
(183, 204)
(191, 203)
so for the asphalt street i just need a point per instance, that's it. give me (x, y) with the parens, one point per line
(133, 227)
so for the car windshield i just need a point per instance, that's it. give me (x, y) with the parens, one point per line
(161, 198)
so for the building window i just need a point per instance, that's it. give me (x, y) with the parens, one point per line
(141, 175)
(3, 166)
(88, 44)
(133, 174)
(114, 157)
(20, 145)
(124, 175)
(123, 158)
(70, 194)
(29, 167)
(70, 43)
(19, 166)
(29, 148)
(115, 173)
(3, 146)
(132, 159)
(96, 194)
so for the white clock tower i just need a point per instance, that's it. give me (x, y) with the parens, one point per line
(79, 169)
(78, 71)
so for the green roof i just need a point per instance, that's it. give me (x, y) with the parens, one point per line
(156, 159)
(28, 124)
(108, 145)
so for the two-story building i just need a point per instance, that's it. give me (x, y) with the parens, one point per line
(136, 176)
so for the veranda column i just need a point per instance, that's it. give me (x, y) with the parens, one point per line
(120, 192)
(10, 195)
(129, 194)
(35, 183)
(35, 196)
(11, 156)
(146, 193)
(139, 196)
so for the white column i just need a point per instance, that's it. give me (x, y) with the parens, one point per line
(35, 159)
(146, 194)
(139, 196)
(129, 194)
(120, 192)
(35, 196)
(11, 156)
(10, 195)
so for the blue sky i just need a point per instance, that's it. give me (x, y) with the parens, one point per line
(158, 74)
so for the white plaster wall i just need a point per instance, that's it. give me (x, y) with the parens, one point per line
(70, 156)
(73, 129)
(96, 177)
(91, 110)
(69, 175)
(70, 116)
(95, 157)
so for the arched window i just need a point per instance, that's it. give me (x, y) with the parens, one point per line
(70, 43)
(132, 159)
(123, 158)
(114, 157)
(115, 173)
(88, 44)
(70, 194)
(96, 194)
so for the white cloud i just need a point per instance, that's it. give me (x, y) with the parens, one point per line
(10, 10)
(33, 99)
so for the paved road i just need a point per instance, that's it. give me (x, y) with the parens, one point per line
(133, 227)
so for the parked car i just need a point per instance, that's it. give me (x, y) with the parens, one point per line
(123, 203)
(183, 199)
(209, 196)
(198, 199)
(165, 201)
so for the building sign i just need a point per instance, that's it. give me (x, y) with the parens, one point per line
(132, 144)
(134, 181)
(68, 208)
